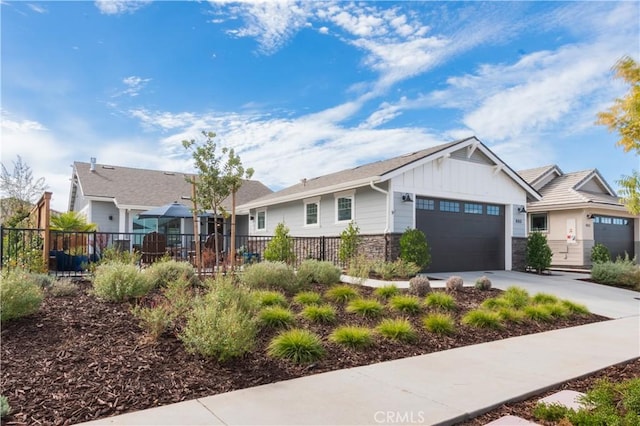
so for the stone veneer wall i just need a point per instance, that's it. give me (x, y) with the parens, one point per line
(518, 254)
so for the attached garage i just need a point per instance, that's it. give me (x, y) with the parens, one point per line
(616, 233)
(463, 235)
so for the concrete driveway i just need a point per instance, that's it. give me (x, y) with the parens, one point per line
(602, 300)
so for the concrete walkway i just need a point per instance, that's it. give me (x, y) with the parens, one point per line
(440, 388)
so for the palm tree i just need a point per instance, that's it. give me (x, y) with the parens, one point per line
(71, 221)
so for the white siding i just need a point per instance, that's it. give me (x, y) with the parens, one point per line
(519, 222)
(100, 212)
(369, 207)
(460, 180)
(403, 212)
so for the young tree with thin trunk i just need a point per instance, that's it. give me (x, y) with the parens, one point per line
(624, 117)
(18, 190)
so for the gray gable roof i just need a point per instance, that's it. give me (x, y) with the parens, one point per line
(144, 189)
(567, 189)
(372, 172)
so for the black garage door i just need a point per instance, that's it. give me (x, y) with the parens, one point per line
(463, 236)
(616, 233)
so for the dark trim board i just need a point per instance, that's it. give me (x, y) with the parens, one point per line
(459, 240)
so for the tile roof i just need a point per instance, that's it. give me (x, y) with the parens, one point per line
(148, 188)
(562, 190)
(532, 175)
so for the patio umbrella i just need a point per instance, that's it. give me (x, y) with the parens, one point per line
(174, 209)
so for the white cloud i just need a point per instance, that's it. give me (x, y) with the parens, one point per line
(37, 8)
(323, 30)
(118, 7)
(133, 85)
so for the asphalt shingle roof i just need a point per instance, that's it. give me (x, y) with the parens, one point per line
(149, 188)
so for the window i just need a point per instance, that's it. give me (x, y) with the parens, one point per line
(449, 206)
(344, 207)
(539, 222)
(423, 204)
(493, 210)
(311, 214)
(261, 220)
(473, 208)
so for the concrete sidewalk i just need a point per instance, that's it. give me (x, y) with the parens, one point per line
(440, 388)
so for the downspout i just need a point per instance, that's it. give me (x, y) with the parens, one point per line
(386, 227)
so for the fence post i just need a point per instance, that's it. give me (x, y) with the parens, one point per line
(323, 248)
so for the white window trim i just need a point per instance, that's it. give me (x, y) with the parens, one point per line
(305, 203)
(345, 194)
(542, 231)
(265, 220)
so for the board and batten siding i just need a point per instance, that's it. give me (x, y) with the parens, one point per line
(460, 180)
(369, 207)
(100, 212)
(403, 212)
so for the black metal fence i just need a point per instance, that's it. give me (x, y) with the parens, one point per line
(73, 253)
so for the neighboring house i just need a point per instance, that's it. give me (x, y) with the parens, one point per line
(113, 196)
(461, 195)
(577, 211)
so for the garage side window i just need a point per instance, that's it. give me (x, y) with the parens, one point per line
(539, 222)
(261, 220)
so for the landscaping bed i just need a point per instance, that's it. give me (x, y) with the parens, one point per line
(525, 408)
(80, 359)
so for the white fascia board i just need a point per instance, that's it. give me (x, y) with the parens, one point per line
(312, 193)
(573, 206)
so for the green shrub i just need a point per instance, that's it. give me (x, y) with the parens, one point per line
(414, 248)
(299, 346)
(511, 315)
(557, 310)
(483, 283)
(154, 320)
(341, 293)
(112, 254)
(365, 307)
(387, 291)
(119, 282)
(44, 281)
(539, 253)
(315, 271)
(439, 323)
(270, 298)
(398, 269)
(516, 297)
(179, 297)
(622, 272)
(494, 303)
(419, 286)
(280, 247)
(538, 313)
(542, 298)
(349, 242)
(222, 323)
(600, 254)
(353, 337)
(20, 295)
(276, 317)
(550, 412)
(482, 319)
(163, 272)
(454, 283)
(575, 308)
(397, 329)
(325, 314)
(63, 288)
(307, 298)
(406, 304)
(440, 300)
(360, 267)
(270, 275)
(5, 408)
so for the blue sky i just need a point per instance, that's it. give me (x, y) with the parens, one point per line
(301, 89)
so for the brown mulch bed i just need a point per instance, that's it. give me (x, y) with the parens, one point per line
(524, 409)
(79, 359)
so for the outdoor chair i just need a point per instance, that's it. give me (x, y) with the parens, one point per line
(154, 247)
